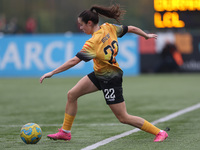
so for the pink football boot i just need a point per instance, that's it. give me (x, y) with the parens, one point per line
(161, 136)
(61, 135)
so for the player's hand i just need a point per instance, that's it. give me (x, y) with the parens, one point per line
(149, 36)
(47, 75)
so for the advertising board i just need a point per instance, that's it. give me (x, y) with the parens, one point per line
(33, 55)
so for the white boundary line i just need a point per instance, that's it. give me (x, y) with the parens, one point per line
(171, 116)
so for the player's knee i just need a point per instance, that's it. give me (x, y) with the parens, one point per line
(71, 96)
(123, 119)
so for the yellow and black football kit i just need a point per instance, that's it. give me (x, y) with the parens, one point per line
(102, 47)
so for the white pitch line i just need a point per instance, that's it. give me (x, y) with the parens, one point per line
(171, 116)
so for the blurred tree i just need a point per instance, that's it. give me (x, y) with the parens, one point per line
(58, 16)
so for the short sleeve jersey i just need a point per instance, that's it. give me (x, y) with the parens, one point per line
(102, 47)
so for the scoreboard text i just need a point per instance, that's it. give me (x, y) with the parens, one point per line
(176, 13)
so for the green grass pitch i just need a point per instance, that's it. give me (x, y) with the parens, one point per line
(148, 96)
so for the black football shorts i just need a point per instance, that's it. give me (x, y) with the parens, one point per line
(112, 88)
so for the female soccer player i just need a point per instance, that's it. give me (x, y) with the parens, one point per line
(102, 47)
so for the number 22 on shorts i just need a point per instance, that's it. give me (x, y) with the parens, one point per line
(109, 94)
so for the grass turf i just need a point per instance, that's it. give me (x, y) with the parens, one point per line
(148, 96)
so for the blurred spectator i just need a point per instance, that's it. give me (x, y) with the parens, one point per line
(12, 26)
(171, 59)
(2, 22)
(31, 25)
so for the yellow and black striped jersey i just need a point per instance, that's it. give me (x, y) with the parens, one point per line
(102, 47)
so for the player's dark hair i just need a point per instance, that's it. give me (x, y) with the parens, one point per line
(114, 12)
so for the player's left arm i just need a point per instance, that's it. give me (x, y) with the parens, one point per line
(138, 31)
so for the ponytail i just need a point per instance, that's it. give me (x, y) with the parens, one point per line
(114, 12)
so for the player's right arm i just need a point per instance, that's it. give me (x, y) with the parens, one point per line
(68, 64)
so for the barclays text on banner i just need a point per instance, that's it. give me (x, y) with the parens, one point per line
(31, 56)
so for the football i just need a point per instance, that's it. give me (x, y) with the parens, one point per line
(31, 133)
